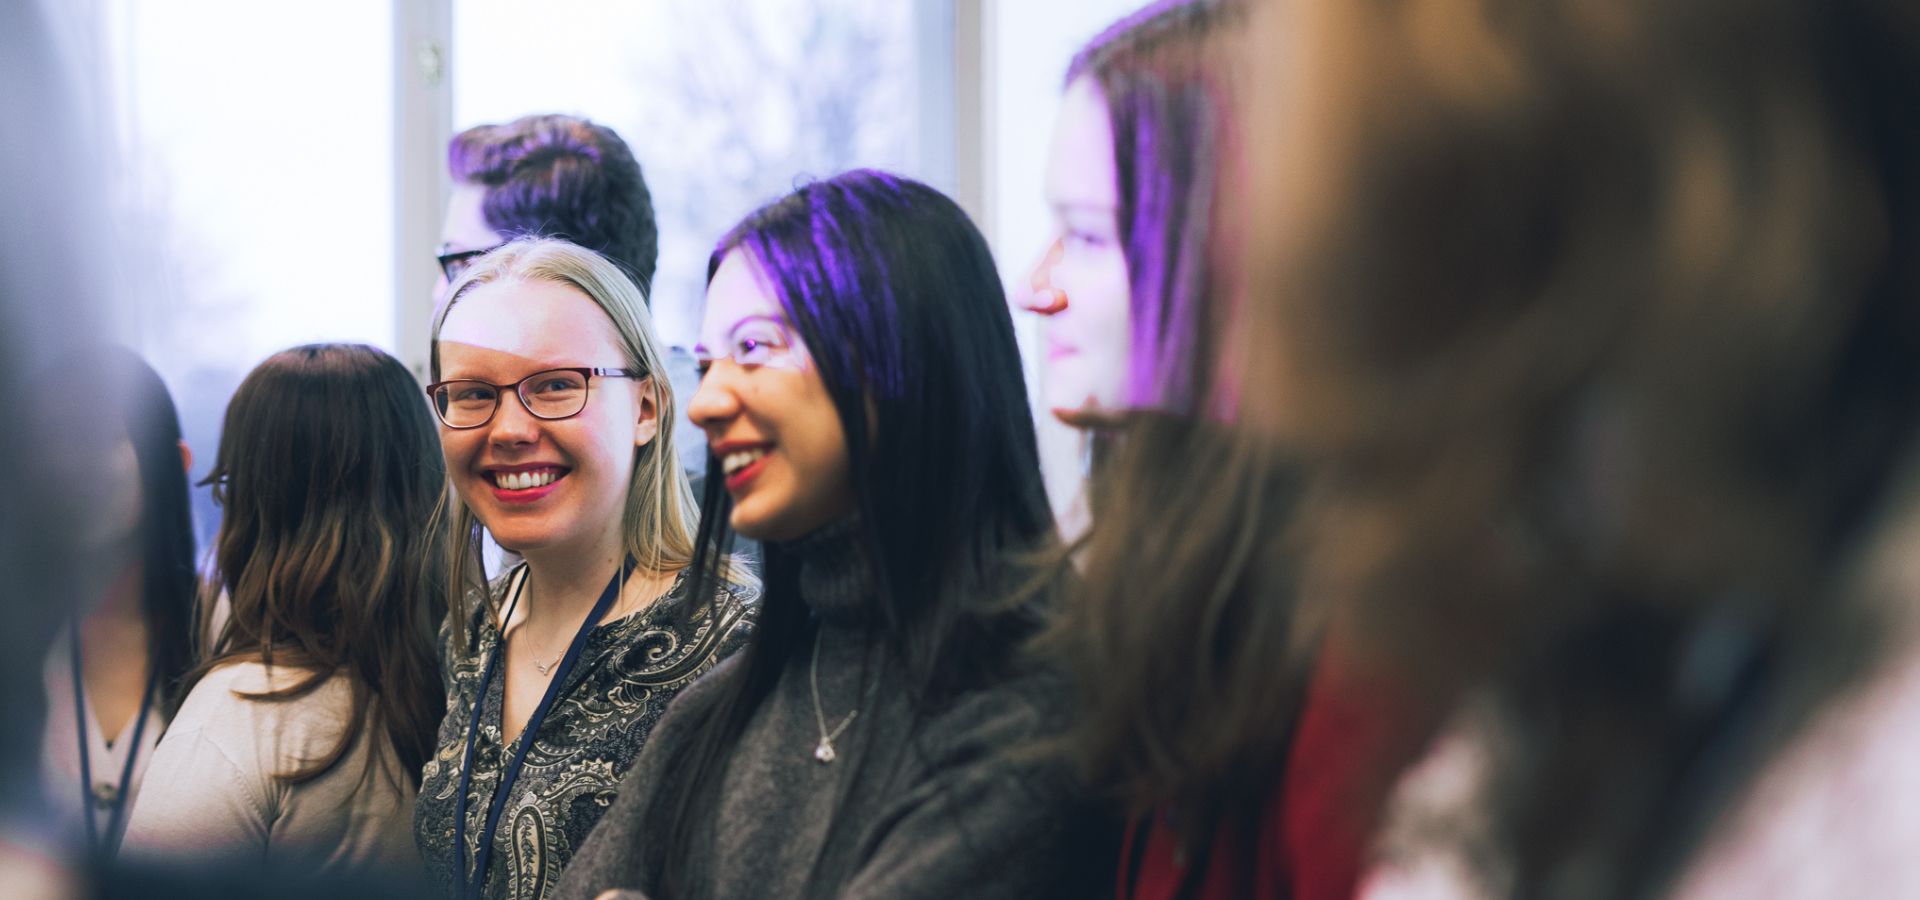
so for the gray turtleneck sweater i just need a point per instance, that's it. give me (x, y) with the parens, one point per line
(936, 806)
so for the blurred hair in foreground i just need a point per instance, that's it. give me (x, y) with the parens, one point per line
(49, 299)
(57, 254)
(1596, 330)
(1576, 376)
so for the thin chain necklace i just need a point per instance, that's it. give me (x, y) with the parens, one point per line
(824, 750)
(546, 671)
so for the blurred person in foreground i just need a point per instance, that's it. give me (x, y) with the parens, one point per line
(50, 299)
(54, 292)
(1596, 331)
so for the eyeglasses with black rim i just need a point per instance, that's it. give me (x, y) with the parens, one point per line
(549, 394)
(454, 262)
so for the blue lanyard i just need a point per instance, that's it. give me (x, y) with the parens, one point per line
(474, 885)
(116, 819)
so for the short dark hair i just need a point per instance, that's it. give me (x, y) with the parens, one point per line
(564, 177)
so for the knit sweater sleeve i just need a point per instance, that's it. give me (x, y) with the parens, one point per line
(988, 817)
(612, 856)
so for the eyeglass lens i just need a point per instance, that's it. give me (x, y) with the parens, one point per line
(547, 395)
(453, 264)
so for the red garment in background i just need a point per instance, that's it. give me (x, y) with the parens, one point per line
(1309, 842)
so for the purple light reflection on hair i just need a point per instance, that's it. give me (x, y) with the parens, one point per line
(829, 273)
(1166, 102)
(895, 294)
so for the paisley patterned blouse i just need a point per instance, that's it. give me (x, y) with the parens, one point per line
(627, 672)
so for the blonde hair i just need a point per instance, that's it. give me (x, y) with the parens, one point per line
(657, 522)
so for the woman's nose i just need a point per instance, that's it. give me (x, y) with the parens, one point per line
(1042, 297)
(512, 424)
(715, 403)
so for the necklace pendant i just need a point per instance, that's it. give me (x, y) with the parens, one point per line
(824, 753)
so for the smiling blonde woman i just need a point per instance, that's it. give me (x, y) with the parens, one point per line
(558, 438)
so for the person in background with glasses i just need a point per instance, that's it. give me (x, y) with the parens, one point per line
(558, 439)
(552, 176)
(302, 732)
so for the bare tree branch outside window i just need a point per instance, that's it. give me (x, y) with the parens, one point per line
(756, 96)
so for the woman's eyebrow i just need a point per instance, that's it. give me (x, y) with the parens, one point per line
(1065, 207)
(701, 346)
(755, 317)
(746, 320)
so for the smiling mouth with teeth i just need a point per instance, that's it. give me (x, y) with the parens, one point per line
(740, 459)
(521, 481)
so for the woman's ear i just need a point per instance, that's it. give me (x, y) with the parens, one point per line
(647, 426)
(186, 457)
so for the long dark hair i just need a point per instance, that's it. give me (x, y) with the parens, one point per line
(1601, 330)
(1165, 74)
(1170, 607)
(330, 472)
(896, 296)
(166, 517)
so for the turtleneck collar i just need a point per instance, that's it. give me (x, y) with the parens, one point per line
(836, 578)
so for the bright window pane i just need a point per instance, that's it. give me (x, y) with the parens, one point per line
(724, 104)
(256, 144)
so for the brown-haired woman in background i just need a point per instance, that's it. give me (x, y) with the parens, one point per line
(1270, 788)
(1597, 329)
(302, 735)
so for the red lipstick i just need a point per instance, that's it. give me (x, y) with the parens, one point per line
(523, 495)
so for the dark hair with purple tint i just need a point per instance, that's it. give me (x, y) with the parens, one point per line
(1161, 73)
(897, 297)
(1188, 566)
(565, 177)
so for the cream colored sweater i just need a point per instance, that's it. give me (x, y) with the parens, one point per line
(211, 789)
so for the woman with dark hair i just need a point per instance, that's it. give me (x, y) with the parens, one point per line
(1134, 168)
(302, 730)
(867, 420)
(114, 680)
(1139, 153)
(1271, 787)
